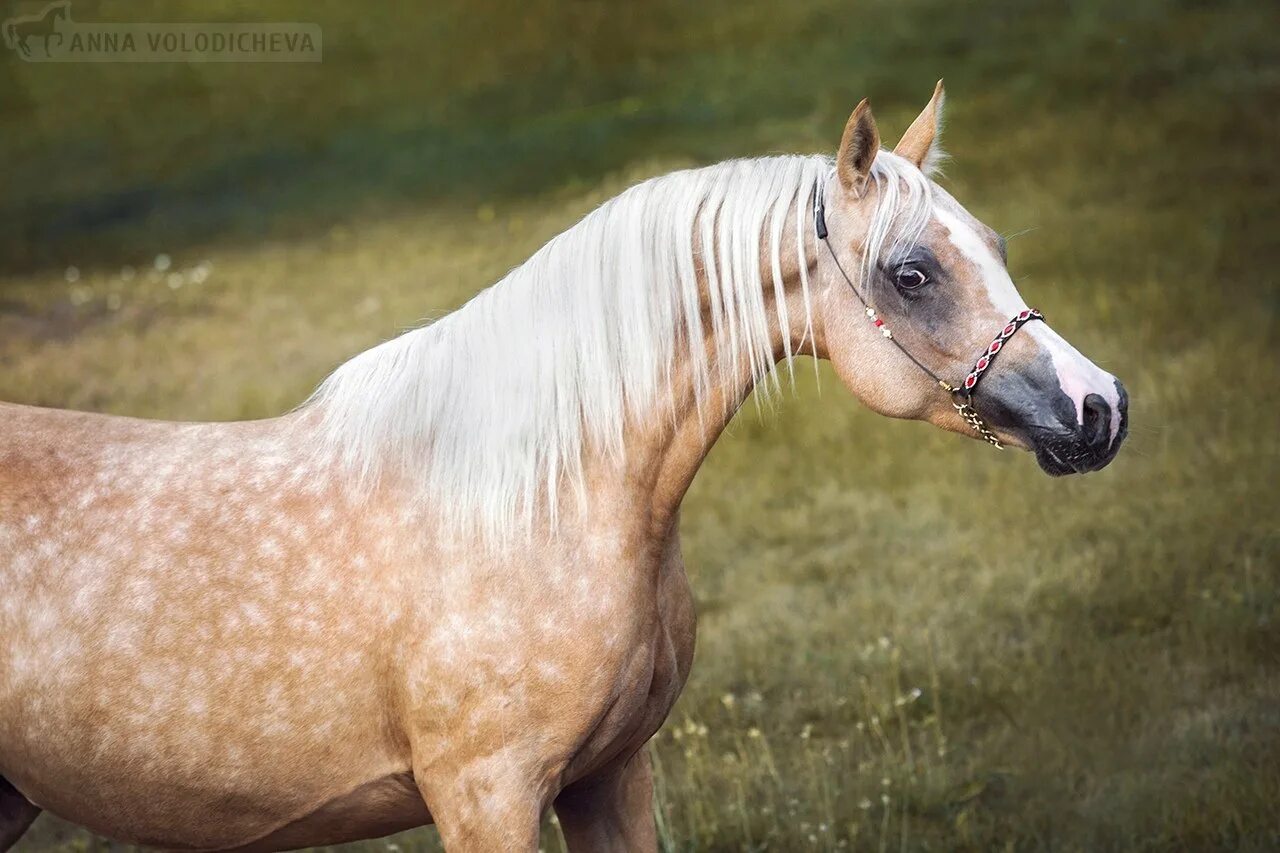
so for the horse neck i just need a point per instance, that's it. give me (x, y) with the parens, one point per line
(667, 446)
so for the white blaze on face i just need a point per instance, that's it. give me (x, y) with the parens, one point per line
(1077, 375)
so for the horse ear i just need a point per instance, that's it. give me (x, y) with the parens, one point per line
(858, 149)
(921, 144)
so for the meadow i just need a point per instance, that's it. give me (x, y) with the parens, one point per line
(906, 641)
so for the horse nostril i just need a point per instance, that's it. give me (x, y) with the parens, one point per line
(1097, 422)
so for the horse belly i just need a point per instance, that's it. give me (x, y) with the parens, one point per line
(165, 730)
(189, 653)
(381, 807)
(171, 781)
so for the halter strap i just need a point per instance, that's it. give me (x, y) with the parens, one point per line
(962, 395)
(1024, 317)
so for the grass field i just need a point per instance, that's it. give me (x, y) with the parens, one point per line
(906, 640)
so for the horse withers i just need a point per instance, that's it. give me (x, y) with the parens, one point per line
(449, 588)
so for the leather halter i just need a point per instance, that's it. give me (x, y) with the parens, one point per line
(962, 394)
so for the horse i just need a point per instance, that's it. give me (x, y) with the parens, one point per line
(448, 587)
(43, 26)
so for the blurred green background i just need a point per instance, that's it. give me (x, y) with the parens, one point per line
(906, 641)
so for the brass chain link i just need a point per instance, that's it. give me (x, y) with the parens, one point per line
(973, 419)
(971, 416)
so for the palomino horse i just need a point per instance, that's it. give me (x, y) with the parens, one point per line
(449, 587)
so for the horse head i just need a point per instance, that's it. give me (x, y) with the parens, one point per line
(920, 318)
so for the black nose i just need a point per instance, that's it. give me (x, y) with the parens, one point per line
(1097, 423)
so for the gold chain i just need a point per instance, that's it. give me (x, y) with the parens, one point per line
(973, 419)
(971, 416)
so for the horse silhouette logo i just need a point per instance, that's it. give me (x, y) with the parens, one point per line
(51, 36)
(42, 28)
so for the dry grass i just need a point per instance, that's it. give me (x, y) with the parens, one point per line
(907, 641)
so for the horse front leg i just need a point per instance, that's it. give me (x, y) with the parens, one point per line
(16, 814)
(482, 805)
(612, 812)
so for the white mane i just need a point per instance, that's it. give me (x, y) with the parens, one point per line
(492, 407)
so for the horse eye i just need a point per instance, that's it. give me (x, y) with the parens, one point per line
(910, 278)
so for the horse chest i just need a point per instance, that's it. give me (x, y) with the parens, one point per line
(589, 664)
(648, 688)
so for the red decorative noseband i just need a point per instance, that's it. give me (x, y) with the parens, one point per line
(1024, 317)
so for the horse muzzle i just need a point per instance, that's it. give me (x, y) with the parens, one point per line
(1089, 445)
(1066, 436)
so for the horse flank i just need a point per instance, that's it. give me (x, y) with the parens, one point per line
(492, 407)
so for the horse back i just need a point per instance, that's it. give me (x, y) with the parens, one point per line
(41, 452)
(45, 453)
